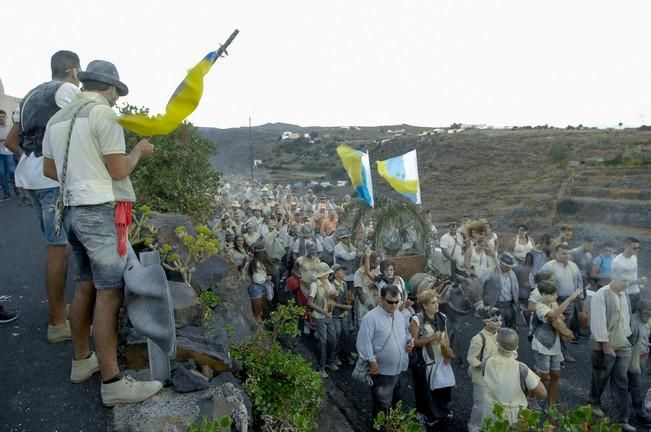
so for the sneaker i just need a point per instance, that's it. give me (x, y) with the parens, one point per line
(596, 410)
(6, 197)
(24, 202)
(627, 427)
(332, 367)
(338, 361)
(6, 317)
(352, 361)
(128, 390)
(421, 418)
(59, 333)
(83, 369)
(323, 374)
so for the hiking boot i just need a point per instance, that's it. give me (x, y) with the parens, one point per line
(323, 374)
(332, 367)
(6, 316)
(59, 333)
(627, 427)
(338, 361)
(128, 390)
(83, 369)
(596, 410)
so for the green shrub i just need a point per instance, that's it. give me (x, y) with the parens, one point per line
(397, 420)
(580, 419)
(197, 249)
(223, 424)
(208, 300)
(286, 392)
(177, 177)
(559, 153)
(620, 159)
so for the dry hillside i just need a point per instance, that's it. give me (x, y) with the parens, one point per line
(598, 180)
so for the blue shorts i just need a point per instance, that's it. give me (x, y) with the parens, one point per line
(545, 362)
(94, 243)
(44, 201)
(257, 291)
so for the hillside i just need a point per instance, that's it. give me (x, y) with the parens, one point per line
(542, 177)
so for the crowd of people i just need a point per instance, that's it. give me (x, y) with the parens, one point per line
(302, 246)
(71, 153)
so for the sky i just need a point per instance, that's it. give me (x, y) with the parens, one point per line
(356, 62)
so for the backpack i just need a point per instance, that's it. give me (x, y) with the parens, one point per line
(524, 370)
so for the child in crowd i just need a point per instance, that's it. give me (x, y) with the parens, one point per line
(546, 342)
(482, 346)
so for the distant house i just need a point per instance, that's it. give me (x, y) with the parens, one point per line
(396, 132)
(453, 131)
(257, 162)
(290, 135)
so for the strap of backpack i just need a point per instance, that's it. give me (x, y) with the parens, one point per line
(524, 371)
(483, 345)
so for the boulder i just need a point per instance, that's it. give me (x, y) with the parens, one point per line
(205, 346)
(208, 273)
(171, 411)
(233, 313)
(187, 310)
(187, 379)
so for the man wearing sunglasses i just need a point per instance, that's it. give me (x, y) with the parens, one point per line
(384, 341)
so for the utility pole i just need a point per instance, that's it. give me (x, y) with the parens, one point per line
(251, 151)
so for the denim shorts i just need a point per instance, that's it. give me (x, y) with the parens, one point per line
(44, 201)
(94, 243)
(545, 362)
(257, 291)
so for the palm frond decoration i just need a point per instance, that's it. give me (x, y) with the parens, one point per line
(387, 215)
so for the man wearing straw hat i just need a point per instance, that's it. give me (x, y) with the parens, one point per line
(84, 148)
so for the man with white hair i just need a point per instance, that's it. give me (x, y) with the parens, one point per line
(610, 325)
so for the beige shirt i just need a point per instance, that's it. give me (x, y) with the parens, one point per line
(474, 350)
(96, 134)
(502, 378)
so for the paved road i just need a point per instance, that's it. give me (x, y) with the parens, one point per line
(35, 394)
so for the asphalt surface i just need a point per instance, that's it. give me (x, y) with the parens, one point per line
(35, 392)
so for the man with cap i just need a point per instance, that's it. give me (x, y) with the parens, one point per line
(307, 235)
(320, 303)
(507, 380)
(84, 147)
(501, 289)
(482, 346)
(610, 325)
(346, 255)
(25, 140)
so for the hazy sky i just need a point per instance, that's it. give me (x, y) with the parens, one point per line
(356, 62)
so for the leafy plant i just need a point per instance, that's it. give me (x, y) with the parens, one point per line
(390, 215)
(286, 392)
(178, 176)
(223, 424)
(580, 419)
(141, 230)
(208, 300)
(397, 420)
(198, 248)
(559, 153)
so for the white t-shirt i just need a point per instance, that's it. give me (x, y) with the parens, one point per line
(4, 131)
(29, 171)
(453, 245)
(628, 268)
(94, 136)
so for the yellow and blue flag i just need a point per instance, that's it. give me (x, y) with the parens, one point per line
(402, 174)
(182, 103)
(357, 165)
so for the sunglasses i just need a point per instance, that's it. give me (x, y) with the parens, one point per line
(394, 302)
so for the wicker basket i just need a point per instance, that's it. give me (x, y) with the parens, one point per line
(408, 265)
